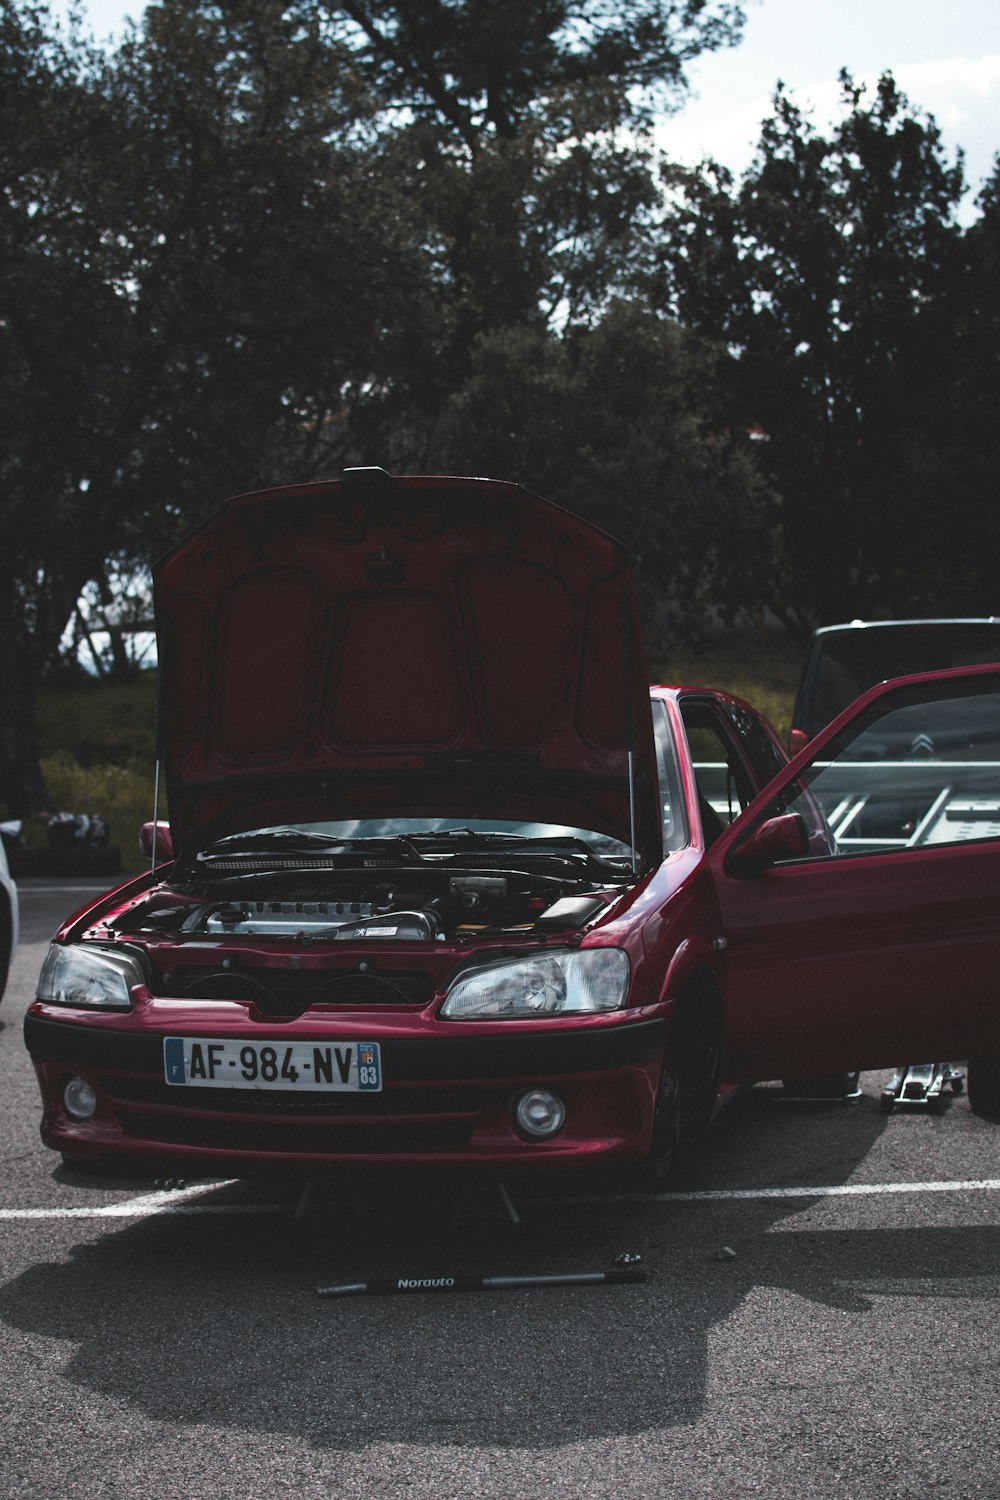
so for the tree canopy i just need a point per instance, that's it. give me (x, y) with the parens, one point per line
(262, 239)
(832, 273)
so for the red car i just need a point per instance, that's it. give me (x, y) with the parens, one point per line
(445, 885)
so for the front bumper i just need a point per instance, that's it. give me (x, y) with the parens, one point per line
(446, 1102)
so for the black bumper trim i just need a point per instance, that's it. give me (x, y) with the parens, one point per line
(408, 1061)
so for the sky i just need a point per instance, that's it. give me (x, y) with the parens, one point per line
(944, 54)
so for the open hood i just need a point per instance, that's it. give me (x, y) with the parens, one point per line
(379, 647)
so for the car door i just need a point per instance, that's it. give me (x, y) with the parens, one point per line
(859, 894)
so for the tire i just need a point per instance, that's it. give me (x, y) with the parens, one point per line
(983, 1086)
(665, 1141)
(688, 1089)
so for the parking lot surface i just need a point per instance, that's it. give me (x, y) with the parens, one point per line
(819, 1318)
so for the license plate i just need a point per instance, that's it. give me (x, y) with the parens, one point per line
(215, 1063)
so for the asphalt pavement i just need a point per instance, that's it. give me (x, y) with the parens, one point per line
(819, 1319)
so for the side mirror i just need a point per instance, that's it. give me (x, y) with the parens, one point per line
(164, 842)
(772, 841)
(797, 740)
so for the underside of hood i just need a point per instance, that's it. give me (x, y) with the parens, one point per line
(378, 647)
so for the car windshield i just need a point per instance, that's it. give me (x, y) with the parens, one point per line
(851, 661)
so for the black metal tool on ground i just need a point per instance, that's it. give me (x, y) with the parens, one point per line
(921, 1084)
(627, 1272)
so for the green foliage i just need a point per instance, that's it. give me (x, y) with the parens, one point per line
(619, 422)
(101, 724)
(832, 271)
(121, 794)
(762, 667)
(265, 238)
(97, 745)
(258, 239)
(198, 256)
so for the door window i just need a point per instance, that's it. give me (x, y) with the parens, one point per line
(675, 829)
(724, 783)
(919, 767)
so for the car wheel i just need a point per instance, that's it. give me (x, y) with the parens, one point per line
(688, 1089)
(665, 1141)
(983, 1086)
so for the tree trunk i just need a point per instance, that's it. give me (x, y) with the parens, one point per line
(22, 786)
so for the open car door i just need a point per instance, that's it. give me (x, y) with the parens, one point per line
(859, 894)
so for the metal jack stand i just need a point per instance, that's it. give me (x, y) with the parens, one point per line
(303, 1205)
(480, 1191)
(833, 1088)
(920, 1084)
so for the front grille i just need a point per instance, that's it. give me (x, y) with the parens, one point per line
(291, 992)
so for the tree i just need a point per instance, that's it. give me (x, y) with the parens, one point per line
(620, 422)
(522, 132)
(266, 233)
(194, 244)
(974, 399)
(831, 272)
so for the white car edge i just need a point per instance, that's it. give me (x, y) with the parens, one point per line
(8, 920)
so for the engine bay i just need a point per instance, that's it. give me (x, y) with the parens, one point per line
(437, 905)
(287, 941)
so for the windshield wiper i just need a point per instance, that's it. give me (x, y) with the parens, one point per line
(268, 838)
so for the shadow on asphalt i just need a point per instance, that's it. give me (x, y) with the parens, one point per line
(215, 1319)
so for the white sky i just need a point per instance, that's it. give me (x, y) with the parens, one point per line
(944, 54)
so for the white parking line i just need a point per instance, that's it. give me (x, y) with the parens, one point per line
(169, 1201)
(840, 1190)
(181, 1202)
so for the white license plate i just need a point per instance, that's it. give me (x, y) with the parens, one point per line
(214, 1063)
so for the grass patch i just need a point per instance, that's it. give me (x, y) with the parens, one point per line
(121, 794)
(97, 744)
(100, 723)
(763, 670)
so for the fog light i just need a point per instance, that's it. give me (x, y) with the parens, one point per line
(79, 1099)
(539, 1113)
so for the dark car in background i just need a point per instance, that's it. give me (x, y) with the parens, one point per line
(843, 661)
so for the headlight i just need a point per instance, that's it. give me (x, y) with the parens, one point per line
(92, 977)
(546, 984)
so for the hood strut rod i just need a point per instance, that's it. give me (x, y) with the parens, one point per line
(156, 779)
(627, 674)
(156, 813)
